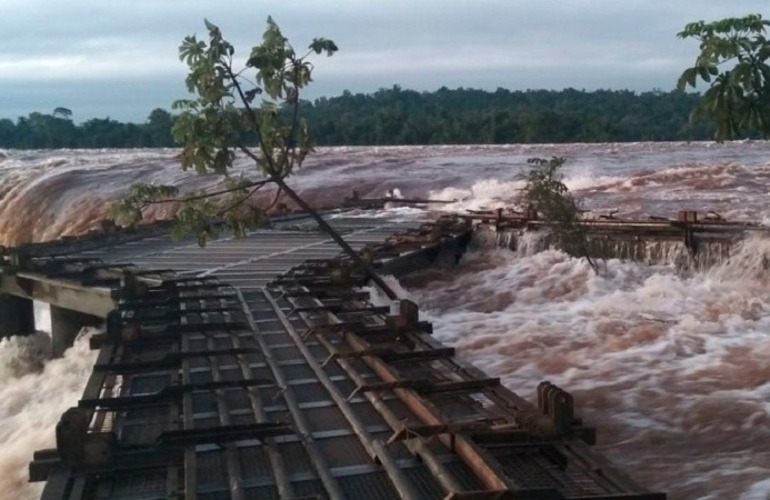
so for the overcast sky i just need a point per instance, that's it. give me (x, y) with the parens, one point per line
(118, 58)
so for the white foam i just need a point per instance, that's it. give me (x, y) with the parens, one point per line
(584, 179)
(758, 491)
(662, 364)
(34, 396)
(483, 195)
(21, 355)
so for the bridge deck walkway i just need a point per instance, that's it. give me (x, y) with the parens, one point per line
(260, 368)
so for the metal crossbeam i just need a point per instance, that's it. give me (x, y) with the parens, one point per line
(393, 356)
(167, 394)
(428, 387)
(171, 360)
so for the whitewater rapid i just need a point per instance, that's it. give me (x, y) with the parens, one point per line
(48, 194)
(34, 392)
(673, 370)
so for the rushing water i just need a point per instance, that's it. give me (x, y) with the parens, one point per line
(673, 370)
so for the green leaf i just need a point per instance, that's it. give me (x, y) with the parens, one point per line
(323, 45)
(739, 45)
(210, 26)
(704, 73)
(687, 78)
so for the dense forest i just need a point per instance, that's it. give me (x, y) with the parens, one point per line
(398, 116)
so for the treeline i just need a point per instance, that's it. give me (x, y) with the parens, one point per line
(51, 131)
(397, 116)
(469, 116)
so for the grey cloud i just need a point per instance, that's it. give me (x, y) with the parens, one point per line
(420, 44)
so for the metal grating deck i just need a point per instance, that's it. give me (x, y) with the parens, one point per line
(260, 368)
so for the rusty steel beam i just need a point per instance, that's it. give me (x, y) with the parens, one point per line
(375, 448)
(416, 447)
(484, 465)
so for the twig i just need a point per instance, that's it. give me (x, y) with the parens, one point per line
(257, 184)
(275, 199)
(248, 195)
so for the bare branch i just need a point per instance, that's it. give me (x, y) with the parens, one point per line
(253, 118)
(247, 152)
(275, 199)
(237, 203)
(203, 196)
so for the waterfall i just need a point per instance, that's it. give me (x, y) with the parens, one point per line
(524, 243)
(706, 253)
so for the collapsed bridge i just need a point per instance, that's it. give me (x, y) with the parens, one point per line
(264, 367)
(686, 241)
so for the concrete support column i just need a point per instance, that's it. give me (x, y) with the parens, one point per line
(65, 326)
(17, 316)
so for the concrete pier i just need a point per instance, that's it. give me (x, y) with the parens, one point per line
(65, 326)
(17, 316)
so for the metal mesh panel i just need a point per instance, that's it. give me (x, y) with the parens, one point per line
(148, 384)
(270, 325)
(209, 422)
(297, 372)
(530, 470)
(372, 486)
(150, 484)
(253, 461)
(325, 418)
(286, 353)
(142, 433)
(295, 457)
(204, 402)
(464, 476)
(242, 418)
(273, 339)
(312, 488)
(218, 495)
(237, 399)
(306, 393)
(343, 451)
(261, 493)
(200, 377)
(424, 482)
(368, 414)
(146, 414)
(211, 469)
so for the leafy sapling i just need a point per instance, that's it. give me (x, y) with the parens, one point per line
(546, 193)
(252, 111)
(224, 119)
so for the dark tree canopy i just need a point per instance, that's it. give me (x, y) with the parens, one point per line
(445, 116)
(62, 113)
(397, 116)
